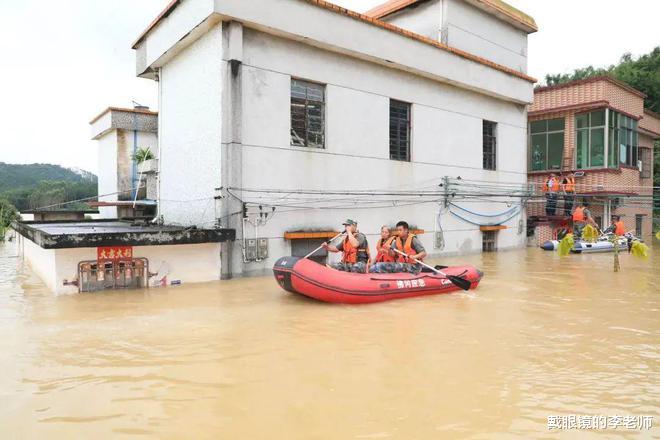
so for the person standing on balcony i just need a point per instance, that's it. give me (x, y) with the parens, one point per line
(568, 188)
(550, 188)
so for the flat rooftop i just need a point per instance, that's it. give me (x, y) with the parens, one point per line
(77, 234)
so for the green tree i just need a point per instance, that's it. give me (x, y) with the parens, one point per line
(642, 73)
(8, 214)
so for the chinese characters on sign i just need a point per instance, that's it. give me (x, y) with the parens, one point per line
(575, 421)
(106, 253)
(407, 284)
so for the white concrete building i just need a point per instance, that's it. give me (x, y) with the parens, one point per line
(120, 132)
(321, 113)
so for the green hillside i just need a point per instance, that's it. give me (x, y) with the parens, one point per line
(13, 176)
(30, 186)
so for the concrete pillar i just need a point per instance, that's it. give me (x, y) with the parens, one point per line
(232, 151)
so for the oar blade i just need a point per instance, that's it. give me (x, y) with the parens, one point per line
(460, 282)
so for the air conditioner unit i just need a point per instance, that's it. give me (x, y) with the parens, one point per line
(639, 165)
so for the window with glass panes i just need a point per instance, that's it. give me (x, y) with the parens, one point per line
(590, 140)
(399, 130)
(546, 144)
(489, 145)
(627, 128)
(307, 114)
(639, 223)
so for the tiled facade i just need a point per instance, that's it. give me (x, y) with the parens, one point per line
(600, 185)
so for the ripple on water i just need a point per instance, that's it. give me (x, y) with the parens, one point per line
(243, 359)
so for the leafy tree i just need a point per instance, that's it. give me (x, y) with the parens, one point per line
(642, 73)
(8, 214)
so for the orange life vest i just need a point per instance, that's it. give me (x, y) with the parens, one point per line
(551, 185)
(578, 214)
(351, 252)
(569, 187)
(384, 255)
(407, 249)
(620, 228)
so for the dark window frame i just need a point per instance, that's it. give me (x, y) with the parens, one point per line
(489, 241)
(546, 132)
(639, 224)
(489, 145)
(627, 128)
(400, 130)
(301, 118)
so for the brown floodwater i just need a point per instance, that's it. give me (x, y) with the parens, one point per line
(242, 359)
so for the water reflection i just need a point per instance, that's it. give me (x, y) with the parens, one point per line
(243, 359)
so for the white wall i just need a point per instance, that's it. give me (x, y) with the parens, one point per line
(322, 27)
(107, 172)
(188, 263)
(42, 262)
(190, 127)
(446, 140)
(482, 34)
(425, 19)
(115, 165)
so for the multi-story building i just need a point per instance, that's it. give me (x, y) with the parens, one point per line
(599, 129)
(281, 119)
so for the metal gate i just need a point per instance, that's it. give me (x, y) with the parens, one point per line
(94, 276)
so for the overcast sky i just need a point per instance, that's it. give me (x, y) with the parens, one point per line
(64, 61)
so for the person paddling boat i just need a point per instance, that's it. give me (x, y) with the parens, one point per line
(354, 249)
(408, 244)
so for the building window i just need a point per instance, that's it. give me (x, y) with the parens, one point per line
(488, 240)
(639, 223)
(307, 114)
(646, 156)
(399, 130)
(546, 144)
(302, 247)
(624, 129)
(490, 145)
(590, 143)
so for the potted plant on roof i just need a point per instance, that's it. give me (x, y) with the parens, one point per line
(146, 161)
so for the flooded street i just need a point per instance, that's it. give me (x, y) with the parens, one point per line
(243, 359)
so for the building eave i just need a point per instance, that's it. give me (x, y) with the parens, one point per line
(578, 82)
(164, 13)
(120, 109)
(498, 8)
(650, 133)
(372, 22)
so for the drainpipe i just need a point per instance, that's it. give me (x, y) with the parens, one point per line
(159, 76)
(134, 167)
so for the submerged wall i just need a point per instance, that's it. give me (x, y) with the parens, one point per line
(192, 263)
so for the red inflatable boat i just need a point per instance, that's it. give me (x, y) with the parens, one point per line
(314, 280)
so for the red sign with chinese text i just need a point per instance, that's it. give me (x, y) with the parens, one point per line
(105, 253)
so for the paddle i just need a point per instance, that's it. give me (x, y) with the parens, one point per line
(455, 280)
(318, 248)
